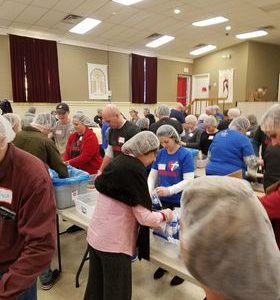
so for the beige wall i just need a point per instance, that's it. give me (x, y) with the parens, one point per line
(5, 65)
(263, 69)
(214, 62)
(167, 79)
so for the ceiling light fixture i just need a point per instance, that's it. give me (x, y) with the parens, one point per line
(203, 49)
(228, 28)
(177, 11)
(252, 34)
(209, 22)
(127, 2)
(85, 26)
(160, 41)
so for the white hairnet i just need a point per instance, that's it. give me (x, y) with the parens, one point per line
(211, 120)
(14, 119)
(202, 117)
(81, 117)
(6, 132)
(240, 124)
(141, 143)
(191, 119)
(168, 131)
(271, 119)
(233, 113)
(44, 121)
(27, 119)
(163, 111)
(143, 123)
(227, 240)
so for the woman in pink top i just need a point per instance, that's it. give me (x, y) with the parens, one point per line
(123, 203)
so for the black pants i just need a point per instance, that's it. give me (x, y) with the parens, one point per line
(109, 276)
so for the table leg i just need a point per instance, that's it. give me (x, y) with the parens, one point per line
(85, 257)
(58, 244)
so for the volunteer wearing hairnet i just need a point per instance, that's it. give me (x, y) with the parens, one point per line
(172, 170)
(227, 240)
(27, 218)
(34, 139)
(270, 124)
(122, 204)
(231, 150)
(15, 121)
(82, 150)
(207, 136)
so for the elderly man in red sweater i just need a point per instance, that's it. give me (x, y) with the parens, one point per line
(270, 124)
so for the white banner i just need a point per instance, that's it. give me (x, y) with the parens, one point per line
(97, 81)
(226, 85)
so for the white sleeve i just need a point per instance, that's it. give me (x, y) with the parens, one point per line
(152, 179)
(109, 152)
(179, 187)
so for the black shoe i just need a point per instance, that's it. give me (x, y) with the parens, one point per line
(176, 281)
(159, 273)
(48, 285)
(73, 228)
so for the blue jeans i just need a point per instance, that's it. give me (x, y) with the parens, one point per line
(29, 294)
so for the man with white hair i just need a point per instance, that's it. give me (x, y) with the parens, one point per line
(27, 218)
(163, 112)
(232, 114)
(120, 131)
(227, 240)
(270, 124)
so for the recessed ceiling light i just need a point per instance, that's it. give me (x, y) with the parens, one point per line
(203, 49)
(160, 41)
(252, 34)
(177, 11)
(127, 2)
(84, 26)
(228, 28)
(212, 21)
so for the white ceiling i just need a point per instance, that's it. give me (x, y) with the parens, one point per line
(125, 28)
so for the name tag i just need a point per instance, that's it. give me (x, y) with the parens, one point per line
(6, 196)
(58, 132)
(190, 134)
(121, 140)
(211, 137)
(248, 133)
(161, 166)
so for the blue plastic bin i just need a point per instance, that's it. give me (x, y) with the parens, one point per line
(194, 153)
(67, 188)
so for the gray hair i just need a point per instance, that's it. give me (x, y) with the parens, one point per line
(202, 117)
(253, 120)
(31, 110)
(240, 124)
(271, 119)
(141, 143)
(227, 240)
(163, 111)
(146, 109)
(169, 132)
(99, 110)
(191, 119)
(233, 113)
(211, 120)
(81, 117)
(143, 123)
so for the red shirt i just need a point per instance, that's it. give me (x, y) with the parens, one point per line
(87, 148)
(271, 203)
(27, 243)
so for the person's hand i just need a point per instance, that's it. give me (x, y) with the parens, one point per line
(66, 163)
(168, 215)
(162, 191)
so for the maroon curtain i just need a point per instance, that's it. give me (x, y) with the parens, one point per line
(137, 78)
(151, 80)
(41, 69)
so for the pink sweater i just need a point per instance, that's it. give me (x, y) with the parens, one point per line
(114, 225)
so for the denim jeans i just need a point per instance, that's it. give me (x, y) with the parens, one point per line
(29, 294)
